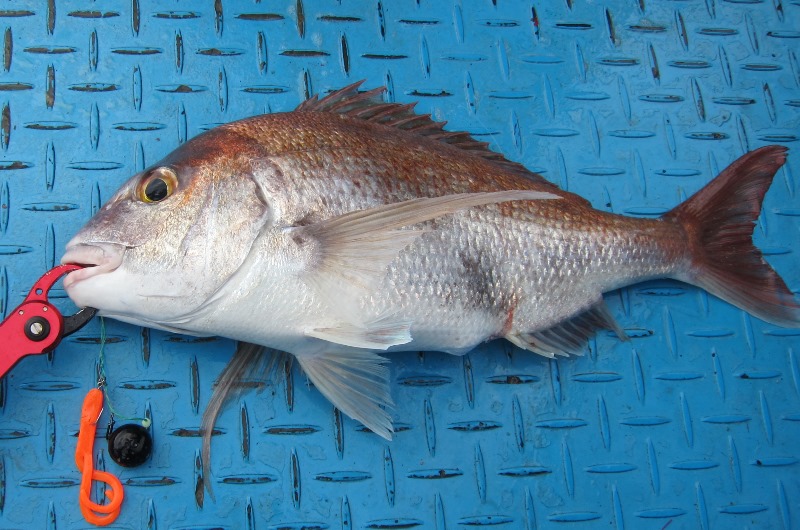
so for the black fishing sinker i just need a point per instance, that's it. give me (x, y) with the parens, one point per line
(130, 445)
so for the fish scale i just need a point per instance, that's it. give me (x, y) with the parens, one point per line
(379, 166)
(544, 232)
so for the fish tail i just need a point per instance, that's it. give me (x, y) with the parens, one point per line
(719, 221)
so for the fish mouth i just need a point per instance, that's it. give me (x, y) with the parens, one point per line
(95, 258)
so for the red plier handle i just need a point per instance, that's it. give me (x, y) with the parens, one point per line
(36, 326)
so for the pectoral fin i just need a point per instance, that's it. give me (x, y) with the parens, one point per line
(356, 383)
(249, 361)
(351, 252)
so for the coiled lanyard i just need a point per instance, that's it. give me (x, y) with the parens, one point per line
(97, 514)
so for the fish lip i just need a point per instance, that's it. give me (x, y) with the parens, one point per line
(96, 259)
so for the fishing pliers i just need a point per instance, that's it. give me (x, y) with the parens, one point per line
(36, 326)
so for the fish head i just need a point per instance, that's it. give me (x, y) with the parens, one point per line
(173, 235)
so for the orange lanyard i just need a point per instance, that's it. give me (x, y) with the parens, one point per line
(97, 514)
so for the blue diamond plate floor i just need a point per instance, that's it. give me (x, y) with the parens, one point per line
(694, 423)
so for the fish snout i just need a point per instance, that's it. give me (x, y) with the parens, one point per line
(97, 258)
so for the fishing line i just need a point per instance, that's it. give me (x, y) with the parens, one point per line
(103, 385)
(128, 446)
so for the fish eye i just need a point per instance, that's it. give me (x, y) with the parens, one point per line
(157, 185)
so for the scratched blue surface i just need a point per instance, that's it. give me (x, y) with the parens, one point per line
(692, 424)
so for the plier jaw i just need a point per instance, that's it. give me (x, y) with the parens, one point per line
(36, 326)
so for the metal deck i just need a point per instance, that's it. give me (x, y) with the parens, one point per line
(694, 423)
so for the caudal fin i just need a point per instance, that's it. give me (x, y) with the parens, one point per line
(719, 221)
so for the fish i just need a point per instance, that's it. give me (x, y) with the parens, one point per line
(353, 227)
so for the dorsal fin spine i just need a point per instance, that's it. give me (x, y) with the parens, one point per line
(369, 106)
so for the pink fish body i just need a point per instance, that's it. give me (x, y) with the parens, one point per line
(352, 227)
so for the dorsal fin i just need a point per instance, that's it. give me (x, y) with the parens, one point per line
(369, 106)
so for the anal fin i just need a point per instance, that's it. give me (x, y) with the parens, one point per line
(570, 336)
(357, 383)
